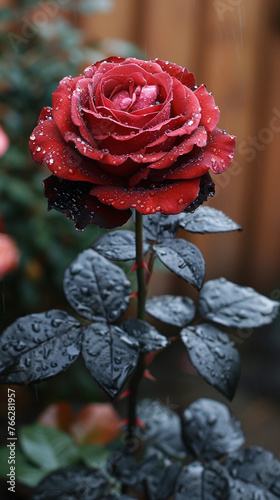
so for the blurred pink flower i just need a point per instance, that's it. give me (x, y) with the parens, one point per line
(4, 142)
(9, 255)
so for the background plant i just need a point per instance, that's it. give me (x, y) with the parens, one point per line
(40, 43)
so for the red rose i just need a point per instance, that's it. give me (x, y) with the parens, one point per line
(129, 133)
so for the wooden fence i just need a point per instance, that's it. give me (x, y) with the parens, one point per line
(234, 47)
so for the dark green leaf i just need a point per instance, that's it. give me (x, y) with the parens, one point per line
(189, 483)
(57, 447)
(160, 484)
(118, 245)
(209, 430)
(158, 227)
(131, 473)
(214, 356)
(26, 473)
(256, 465)
(241, 490)
(96, 288)
(235, 306)
(184, 259)
(147, 337)
(162, 427)
(177, 311)
(110, 356)
(72, 483)
(39, 346)
(94, 455)
(207, 220)
(198, 483)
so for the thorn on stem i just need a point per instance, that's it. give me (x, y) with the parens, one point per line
(134, 268)
(124, 394)
(150, 357)
(148, 375)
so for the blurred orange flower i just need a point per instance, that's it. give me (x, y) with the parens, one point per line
(96, 423)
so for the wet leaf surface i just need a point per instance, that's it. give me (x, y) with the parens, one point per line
(116, 497)
(256, 465)
(72, 483)
(241, 490)
(184, 259)
(198, 483)
(207, 220)
(162, 427)
(96, 288)
(214, 356)
(159, 227)
(235, 306)
(209, 430)
(215, 482)
(189, 483)
(171, 309)
(118, 245)
(146, 336)
(110, 356)
(155, 476)
(131, 473)
(160, 484)
(39, 346)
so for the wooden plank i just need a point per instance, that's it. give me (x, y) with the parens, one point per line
(228, 68)
(264, 249)
(117, 23)
(169, 31)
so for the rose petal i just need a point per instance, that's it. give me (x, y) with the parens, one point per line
(210, 113)
(167, 198)
(137, 178)
(220, 148)
(73, 199)
(90, 71)
(182, 74)
(185, 167)
(46, 114)
(120, 145)
(47, 145)
(217, 155)
(199, 138)
(149, 66)
(146, 98)
(185, 102)
(80, 99)
(61, 101)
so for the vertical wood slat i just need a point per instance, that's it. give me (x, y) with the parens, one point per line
(265, 238)
(120, 22)
(169, 31)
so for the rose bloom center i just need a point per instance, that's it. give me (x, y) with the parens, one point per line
(135, 99)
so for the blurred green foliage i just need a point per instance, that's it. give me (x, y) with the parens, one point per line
(40, 43)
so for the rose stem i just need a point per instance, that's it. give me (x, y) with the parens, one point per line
(141, 281)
